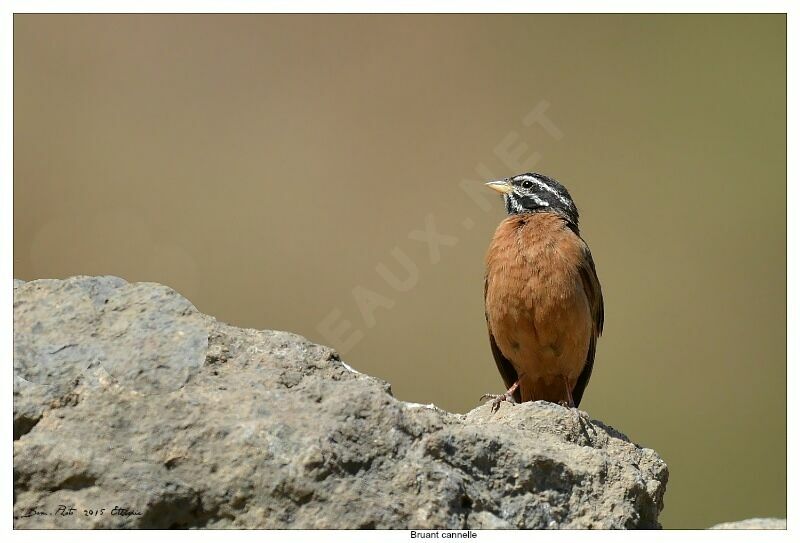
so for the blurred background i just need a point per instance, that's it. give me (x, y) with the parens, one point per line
(285, 172)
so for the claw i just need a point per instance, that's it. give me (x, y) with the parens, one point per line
(497, 399)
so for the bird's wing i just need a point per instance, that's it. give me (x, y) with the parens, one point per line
(507, 371)
(594, 294)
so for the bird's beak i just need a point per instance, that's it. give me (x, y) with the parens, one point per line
(502, 186)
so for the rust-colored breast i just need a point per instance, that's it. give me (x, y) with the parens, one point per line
(536, 307)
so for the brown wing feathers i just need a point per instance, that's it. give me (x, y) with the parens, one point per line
(594, 294)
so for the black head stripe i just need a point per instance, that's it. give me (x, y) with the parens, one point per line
(544, 194)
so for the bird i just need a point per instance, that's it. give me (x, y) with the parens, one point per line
(543, 301)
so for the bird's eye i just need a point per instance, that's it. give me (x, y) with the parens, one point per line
(527, 184)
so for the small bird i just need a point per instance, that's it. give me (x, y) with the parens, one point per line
(544, 306)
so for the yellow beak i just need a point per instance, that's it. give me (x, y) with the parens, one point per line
(500, 186)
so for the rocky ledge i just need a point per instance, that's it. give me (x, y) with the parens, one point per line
(134, 410)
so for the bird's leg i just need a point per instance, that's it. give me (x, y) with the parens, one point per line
(497, 399)
(570, 402)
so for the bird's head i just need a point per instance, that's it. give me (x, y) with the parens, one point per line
(536, 193)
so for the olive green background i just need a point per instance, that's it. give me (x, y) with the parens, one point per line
(265, 166)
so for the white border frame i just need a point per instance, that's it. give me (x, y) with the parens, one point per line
(393, 6)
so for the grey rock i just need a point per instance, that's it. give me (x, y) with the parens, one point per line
(127, 397)
(753, 524)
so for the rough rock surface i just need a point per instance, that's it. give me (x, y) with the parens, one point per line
(127, 397)
(753, 524)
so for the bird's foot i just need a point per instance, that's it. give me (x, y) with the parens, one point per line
(508, 396)
(497, 399)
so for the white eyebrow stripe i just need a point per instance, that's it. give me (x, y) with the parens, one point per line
(546, 187)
